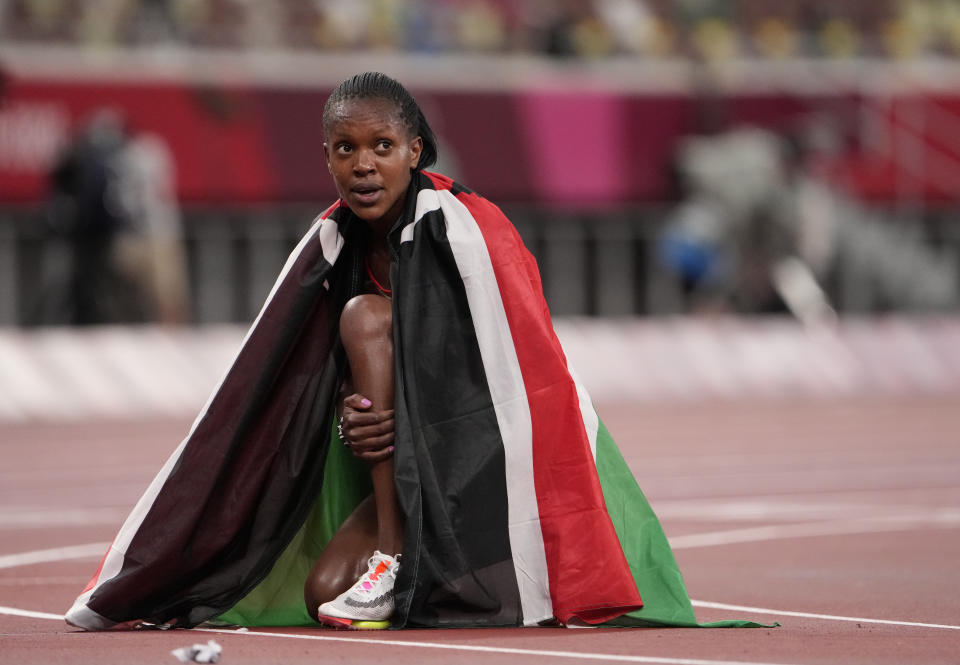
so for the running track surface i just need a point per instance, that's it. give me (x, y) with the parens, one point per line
(839, 519)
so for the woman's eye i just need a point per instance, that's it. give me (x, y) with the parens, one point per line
(384, 145)
(343, 148)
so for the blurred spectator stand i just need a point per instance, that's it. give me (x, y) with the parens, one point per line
(570, 114)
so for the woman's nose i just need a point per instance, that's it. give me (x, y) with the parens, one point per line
(364, 162)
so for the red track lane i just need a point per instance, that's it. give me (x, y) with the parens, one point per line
(846, 508)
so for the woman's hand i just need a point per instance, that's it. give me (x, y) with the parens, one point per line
(369, 434)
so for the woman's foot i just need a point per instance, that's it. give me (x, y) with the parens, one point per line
(368, 604)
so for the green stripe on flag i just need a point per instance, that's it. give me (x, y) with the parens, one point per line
(278, 599)
(654, 568)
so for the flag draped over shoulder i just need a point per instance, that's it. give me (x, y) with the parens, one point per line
(519, 509)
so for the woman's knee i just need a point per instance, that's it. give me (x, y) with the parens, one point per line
(366, 318)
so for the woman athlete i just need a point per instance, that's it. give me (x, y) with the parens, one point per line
(476, 485)
(375, 138)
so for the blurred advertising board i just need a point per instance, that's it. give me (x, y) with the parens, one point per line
(245, 133)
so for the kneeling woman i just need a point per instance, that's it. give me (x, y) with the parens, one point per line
(474, 486)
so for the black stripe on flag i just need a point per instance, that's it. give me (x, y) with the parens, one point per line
(457, 567)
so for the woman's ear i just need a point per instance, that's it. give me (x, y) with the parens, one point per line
(326, 156)
(416, 148)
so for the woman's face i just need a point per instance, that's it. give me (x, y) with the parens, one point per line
(370, 154)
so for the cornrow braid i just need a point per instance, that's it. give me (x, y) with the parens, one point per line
(374, 85)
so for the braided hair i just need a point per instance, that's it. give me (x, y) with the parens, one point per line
(374, 85)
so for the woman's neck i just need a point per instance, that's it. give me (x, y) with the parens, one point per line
(380, 233)
(377, 263)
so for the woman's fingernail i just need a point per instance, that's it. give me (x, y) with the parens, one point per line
(390, 449)
(366, 402)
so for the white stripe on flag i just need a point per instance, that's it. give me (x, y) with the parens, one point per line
(510, 404)
(591, 421)
(427, 201)
(331, 241)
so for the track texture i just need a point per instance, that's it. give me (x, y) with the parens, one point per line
(847, 508)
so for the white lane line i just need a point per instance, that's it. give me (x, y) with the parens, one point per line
(810, 615)
(475, 648)
(497, 650)
(880, 499)
(53, 554)
(696, 603)
(34, 581)
(13, 611)
(783, 511)
(943, 519)
(43, 518)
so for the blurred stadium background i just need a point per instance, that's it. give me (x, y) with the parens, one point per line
(747, 218)
(794, 163)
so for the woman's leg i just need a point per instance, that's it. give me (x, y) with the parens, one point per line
(366, 328)
(344, 559)
(366, 331)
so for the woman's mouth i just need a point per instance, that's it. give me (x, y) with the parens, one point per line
(366, 194)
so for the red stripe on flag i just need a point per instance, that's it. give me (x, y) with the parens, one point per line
(588, 572)
(96, 576)
(329, 211)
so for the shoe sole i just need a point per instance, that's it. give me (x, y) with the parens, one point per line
(352, 624)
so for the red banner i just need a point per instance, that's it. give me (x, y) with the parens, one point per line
(255, 143)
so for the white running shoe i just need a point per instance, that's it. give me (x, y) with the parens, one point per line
(368, 604)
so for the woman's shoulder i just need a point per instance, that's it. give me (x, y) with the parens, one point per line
(444, 182)
(438, 180)
(479, 209)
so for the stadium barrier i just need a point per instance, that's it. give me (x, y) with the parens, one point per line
(600, 263)
(591, 264)
(60, 374)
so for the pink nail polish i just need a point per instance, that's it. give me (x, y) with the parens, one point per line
(365, 402)
(390, 449)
